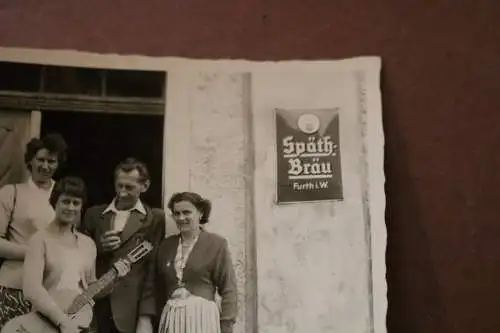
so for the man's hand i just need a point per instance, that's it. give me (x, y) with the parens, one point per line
(110, 240)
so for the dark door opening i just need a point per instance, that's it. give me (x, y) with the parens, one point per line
(97, 142)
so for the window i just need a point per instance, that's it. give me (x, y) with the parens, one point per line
(47, 87)
(73, 80)
(129, 83)
(19, 77)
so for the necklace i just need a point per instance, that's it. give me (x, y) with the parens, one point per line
(186, 248)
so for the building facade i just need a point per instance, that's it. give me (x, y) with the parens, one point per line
(304, 267)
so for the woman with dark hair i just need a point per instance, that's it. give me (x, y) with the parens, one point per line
(24, 209)
(186, 272)
(61, 258)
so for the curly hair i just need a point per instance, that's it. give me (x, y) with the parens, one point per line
(204, 206)
(53, 142)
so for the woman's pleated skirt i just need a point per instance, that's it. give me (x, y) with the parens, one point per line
(191, 315)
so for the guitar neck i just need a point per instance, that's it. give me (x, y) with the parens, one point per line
(104, 281)
(93, 290)
(107, 279)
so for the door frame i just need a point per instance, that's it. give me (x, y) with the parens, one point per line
(35, 123)
(175, 108)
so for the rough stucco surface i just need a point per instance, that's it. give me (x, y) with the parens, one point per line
(312, 259)
(316, 270)
(218, 164)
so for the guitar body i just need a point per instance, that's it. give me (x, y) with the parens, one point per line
(73, 303)
(33, 322)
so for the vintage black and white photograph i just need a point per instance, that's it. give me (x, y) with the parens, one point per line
(169, 195)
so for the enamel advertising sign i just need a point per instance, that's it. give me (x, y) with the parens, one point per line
(308, 155)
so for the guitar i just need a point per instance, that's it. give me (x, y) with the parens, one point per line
(78, 306)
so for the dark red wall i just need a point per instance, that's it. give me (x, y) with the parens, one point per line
(441, 104)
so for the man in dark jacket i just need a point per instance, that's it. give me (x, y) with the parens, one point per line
(117, 228)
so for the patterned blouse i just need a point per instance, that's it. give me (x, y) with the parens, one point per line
(182, 257)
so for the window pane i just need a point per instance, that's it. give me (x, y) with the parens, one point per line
(128, 83)
(19, 77)
(72, 80)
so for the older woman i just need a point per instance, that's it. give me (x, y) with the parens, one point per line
(186, 272)
(61, 258)
(24, 209)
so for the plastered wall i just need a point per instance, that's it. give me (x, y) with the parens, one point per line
(217, 133)
(301, 267)
(312, 258)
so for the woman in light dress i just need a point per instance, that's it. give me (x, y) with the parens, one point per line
(24, 209)
(186, 272)
(61, 258)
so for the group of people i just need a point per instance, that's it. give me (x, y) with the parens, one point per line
(50, 241)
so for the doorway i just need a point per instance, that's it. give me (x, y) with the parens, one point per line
(97, 142)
